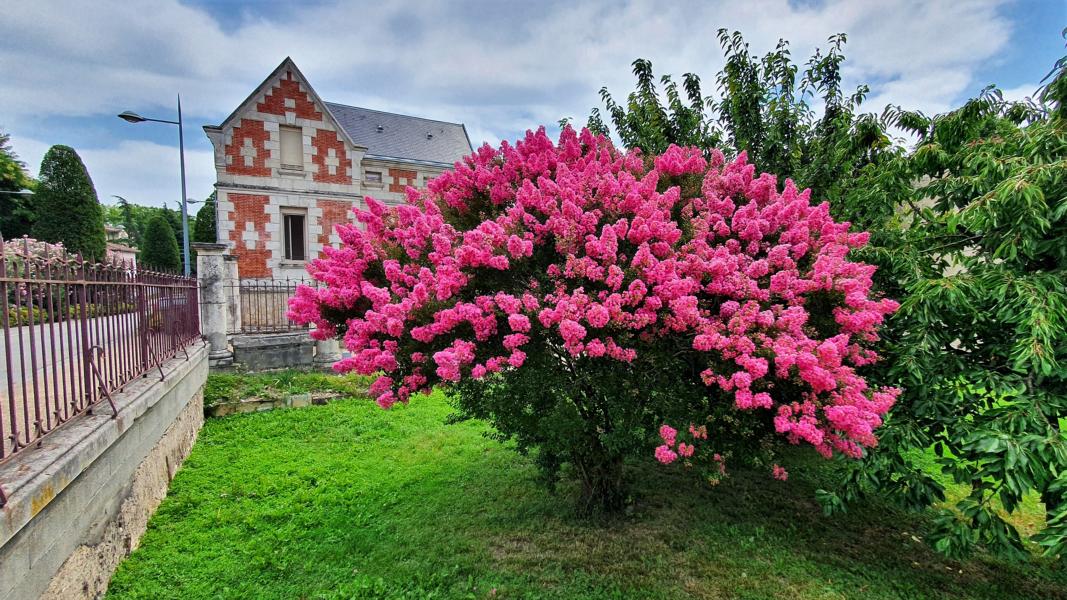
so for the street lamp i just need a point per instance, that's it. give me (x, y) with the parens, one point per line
(132, 117)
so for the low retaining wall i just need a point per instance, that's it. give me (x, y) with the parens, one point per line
(80, 503)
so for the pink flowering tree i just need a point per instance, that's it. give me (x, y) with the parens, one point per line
(578, 298)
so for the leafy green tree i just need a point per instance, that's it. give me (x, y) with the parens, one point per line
(204, 229)
(16, 209)
(645, 122)
(135, 219)
(68, 210)
(764, 110)
(973, 225)
(160, 249)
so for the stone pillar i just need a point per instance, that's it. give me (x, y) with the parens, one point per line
(211, 275)
(327, 352)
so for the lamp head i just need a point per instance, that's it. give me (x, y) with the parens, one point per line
(131, 117)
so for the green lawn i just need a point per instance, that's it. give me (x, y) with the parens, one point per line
(349, 501)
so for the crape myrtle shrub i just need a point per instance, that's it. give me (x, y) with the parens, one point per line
(578, 297)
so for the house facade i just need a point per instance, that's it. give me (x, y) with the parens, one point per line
(289, 167)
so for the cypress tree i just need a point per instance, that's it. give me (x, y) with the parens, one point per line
(160, 247)
(68, 210)
(174, 219)
(204, 228)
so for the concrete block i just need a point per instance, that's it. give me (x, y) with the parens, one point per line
(273, 351)
(298, 400)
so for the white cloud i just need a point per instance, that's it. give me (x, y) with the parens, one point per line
(141, 172)
(1027, 91)
(498, 67)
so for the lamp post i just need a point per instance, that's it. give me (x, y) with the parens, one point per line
(132, 117)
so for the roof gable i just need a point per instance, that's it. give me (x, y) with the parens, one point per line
(381, 134)
(285, 76)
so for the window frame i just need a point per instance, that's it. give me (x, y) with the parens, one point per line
(287, 254)
(373, 182)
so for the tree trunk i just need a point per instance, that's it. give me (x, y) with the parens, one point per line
(603, 486)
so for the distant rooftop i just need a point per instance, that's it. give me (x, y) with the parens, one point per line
(389, 135)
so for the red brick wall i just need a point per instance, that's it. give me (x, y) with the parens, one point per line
(250, 208)
(400, 179)
(334, 212)
(274, 102)
(324, 140)
(253, 130)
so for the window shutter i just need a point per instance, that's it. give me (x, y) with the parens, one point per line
(292, 143)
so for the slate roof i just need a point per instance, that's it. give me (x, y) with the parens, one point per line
(389, 135)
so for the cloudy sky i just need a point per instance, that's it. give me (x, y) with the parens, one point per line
(498, 66)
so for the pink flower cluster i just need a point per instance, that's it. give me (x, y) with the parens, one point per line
(666, 453)
(599, 256)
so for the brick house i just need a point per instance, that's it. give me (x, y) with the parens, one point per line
(289, 167)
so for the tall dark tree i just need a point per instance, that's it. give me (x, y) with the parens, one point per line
(128, 220)
(160, 247)
(204, 229)
(16, 209)
(68, 210)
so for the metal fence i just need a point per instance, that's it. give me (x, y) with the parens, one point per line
(77, 332)
(260, 305)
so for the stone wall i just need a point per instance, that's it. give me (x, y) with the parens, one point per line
(79, 503)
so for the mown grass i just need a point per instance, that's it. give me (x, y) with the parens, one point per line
(349, 501)
(233, 387)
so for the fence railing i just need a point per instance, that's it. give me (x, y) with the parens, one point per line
(260, 305)
(77, 332)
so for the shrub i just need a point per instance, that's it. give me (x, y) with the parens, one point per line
(576, 297)
(20, 315)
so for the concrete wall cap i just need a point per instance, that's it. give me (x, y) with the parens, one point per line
(206, 247)
(270, 339)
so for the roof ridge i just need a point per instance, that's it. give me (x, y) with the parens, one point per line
(385, 112)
